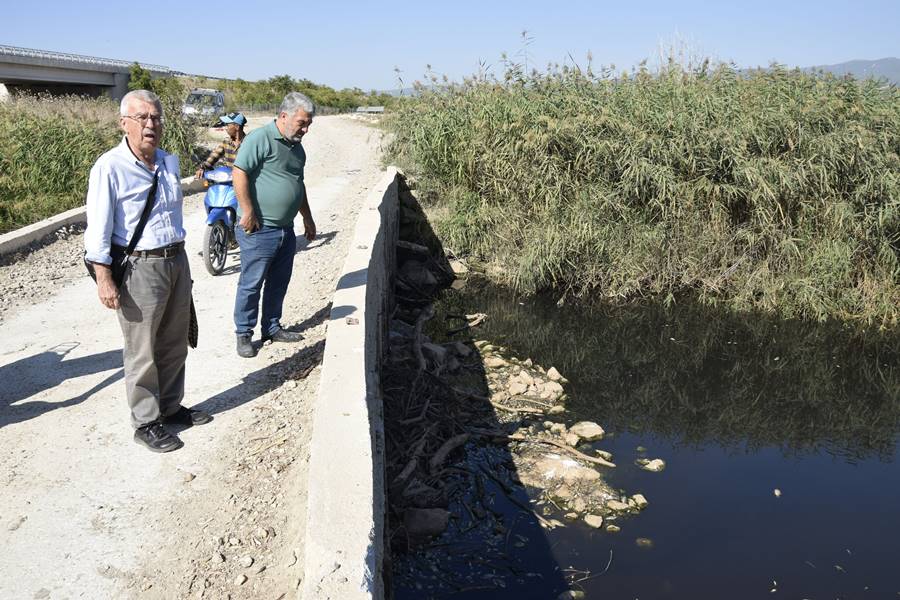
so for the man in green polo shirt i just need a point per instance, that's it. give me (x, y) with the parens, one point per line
(268, 182)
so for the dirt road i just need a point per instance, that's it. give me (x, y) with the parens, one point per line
(86, 512)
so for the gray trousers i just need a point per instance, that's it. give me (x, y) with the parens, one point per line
(154, 314)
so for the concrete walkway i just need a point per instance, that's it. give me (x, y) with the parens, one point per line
(86, 512)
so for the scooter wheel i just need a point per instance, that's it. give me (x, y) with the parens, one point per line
(215, 247)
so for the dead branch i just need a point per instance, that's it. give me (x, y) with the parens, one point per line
(426, 314)
(537, 440)
(416, 453)
(523, 409)
(267, 446)
(413, 247)
(449, 446)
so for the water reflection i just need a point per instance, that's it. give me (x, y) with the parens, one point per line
(701, 374)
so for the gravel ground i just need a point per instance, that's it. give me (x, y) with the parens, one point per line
(41, 269)
(89, 514)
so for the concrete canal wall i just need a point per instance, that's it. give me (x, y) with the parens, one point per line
(344, 545)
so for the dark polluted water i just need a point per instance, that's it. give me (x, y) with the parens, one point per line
(780, 441)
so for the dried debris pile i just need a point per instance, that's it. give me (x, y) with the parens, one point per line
(477, 458)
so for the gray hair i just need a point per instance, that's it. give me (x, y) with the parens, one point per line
(145, 95)
(296, 101)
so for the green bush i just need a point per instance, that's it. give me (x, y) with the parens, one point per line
(772, 190)
(241, 94)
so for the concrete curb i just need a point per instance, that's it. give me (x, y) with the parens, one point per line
(344, 545)
(18, 239)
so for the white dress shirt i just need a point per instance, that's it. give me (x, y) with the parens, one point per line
(117, 191)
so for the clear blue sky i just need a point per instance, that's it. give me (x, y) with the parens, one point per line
(359, 44)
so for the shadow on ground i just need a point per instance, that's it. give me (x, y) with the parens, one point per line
(28, 377)
(258, 383)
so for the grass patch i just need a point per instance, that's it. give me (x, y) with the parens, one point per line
(774, 190)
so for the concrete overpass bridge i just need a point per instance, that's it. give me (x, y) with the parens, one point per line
(60, 73)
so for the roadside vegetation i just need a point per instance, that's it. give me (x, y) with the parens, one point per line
(242, 95)
(47, 147)
(772, 190)
(49, 143)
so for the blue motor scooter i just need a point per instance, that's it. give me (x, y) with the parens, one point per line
(221, 216)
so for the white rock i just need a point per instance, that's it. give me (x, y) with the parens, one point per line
(526, 378)
(494, 362)
(556, 410)
(618, 506)
(240, 579)
(640, 501)
(459, 268)
(246, 561)
(517, 388)
(595, 521)
(563, 493)
(571, 439)
(500, 396)
(553, 387)
(656, 465)
(604, 454)
(553, 374)
(587, 431)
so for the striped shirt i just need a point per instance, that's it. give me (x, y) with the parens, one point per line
(226, 151)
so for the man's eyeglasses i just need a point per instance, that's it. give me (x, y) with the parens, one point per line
(143, 118)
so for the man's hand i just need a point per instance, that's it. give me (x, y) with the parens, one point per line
(248, 222)
(309, 227)
(106, 287)
(199, 173)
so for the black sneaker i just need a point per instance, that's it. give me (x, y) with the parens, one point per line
(188, 417)
(244, 346)
(155, 437)
(283, 335)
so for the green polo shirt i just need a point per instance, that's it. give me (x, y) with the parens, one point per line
(274, 167)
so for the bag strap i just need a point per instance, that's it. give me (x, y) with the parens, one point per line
(148, 206)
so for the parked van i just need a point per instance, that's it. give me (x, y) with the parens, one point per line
(204, 103)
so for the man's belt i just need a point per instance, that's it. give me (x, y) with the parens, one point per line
(164, 252)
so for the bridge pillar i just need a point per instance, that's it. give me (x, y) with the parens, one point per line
(4, 93)
(120, 86)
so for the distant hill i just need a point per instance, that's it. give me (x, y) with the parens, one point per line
(884, 68)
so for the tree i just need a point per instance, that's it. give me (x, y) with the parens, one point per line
(139, 78)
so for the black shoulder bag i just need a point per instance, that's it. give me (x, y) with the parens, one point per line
(120, 255)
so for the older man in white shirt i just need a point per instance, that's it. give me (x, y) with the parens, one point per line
(153, 302)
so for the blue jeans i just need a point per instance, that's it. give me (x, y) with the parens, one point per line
(267, 257)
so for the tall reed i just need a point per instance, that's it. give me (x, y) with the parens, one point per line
(773, 190)
(48, 145)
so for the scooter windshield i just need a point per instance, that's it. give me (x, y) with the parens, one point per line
(220, 175)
